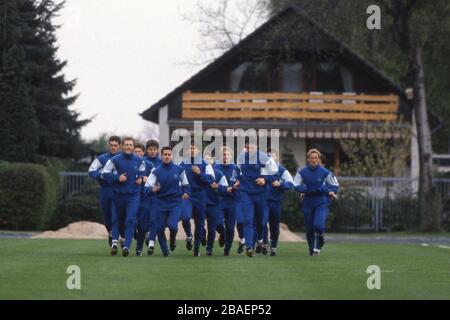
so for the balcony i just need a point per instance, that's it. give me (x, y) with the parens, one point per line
(290, 106)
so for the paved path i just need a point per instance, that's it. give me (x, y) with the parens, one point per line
(16, 235)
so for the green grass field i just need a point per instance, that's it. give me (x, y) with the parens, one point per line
(36, 269)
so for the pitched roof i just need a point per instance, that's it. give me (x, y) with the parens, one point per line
(234, 51)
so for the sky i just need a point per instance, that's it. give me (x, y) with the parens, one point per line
(125, 55)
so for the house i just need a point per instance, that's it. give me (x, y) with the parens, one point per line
(292, 75)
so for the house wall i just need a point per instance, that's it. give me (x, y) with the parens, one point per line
(313, 78)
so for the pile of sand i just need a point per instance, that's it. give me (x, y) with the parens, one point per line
(77, 230)
(93, 230)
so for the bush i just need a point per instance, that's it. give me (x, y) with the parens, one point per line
(351, 211)
(54, 166)
(26, 196)
(292, 216)
(81, 206)
(401, 213)
(445, 220)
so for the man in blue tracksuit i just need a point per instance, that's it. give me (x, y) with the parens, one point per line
(318, 185)
(200, 175)
(171, 186)
(228, 203)
(152, 150)
(106, 190)
(214, 195)
(125, 170)
(143, 218)
(255, 166)
(278, 184)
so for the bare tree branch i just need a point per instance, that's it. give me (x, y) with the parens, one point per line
(222, 24)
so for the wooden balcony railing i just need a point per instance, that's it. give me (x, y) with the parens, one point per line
(290, 106)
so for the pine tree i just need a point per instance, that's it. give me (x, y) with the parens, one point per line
(288, 160)
(59, 126)
(18, 124)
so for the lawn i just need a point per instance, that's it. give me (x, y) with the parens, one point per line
(36, 269)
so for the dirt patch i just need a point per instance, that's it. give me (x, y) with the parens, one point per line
(93, 230)
(77, 230)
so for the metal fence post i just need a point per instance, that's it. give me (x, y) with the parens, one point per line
(377, 204)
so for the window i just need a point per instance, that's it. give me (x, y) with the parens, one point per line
(291, 74)
(328, 77)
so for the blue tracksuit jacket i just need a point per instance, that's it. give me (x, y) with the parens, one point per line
(252, 167)
(156, 161)
(129, 164)
(172, 181)
(275, 194)
(230, 171)
(315, 183)
(97, 167)
(199, 182)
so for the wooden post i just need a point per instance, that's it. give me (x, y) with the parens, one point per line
(337, 158)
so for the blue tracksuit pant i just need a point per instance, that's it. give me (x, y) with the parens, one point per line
(167, 215)
(227, 222)
(107, 206)
(315, 219)
(255, 216)
(275, 208)
(198, 212)
(186, 215)
(152, 225)
(143, 218)
(212, 212)
(127, 206)
(239, 218)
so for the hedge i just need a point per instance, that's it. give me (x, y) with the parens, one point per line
(53, 166)
(27, 196)
(81, 206)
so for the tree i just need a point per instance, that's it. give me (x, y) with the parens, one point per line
(382, 151)
(288, 160)
(100, 144)
(28, 25)
(223, 24)
(407, 27)
(407, 15)
(18, 123)
(413, 33)
(59, 126)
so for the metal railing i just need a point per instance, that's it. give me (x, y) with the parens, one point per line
(382, 203)
(295, 106)
(73, 182)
